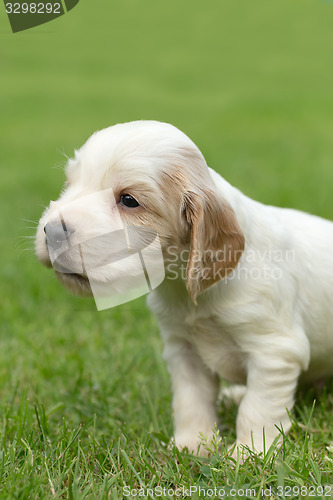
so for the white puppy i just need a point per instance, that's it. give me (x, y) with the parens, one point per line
(248, 289)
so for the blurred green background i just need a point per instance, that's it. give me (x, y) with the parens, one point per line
(251, 82)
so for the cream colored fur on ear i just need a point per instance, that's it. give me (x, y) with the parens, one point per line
(217, 241)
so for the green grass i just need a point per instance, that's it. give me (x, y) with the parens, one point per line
(85, 395)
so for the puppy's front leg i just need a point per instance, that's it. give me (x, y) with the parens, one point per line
(195, 390)
(271, 384)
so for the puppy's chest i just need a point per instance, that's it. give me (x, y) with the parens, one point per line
(216, 347)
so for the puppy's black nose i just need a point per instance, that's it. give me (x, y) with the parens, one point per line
(56, 235)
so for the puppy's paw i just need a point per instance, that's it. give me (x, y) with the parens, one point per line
(239, 452)
(191, 445)
(202, 445)
(232, 394)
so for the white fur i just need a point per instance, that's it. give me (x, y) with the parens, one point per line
(264, 325)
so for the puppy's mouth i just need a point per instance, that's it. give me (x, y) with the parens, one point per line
(75, 283)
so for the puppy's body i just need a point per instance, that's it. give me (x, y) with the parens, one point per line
(264, 327)
(261, 315)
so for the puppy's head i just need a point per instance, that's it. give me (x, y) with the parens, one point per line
(145, 175)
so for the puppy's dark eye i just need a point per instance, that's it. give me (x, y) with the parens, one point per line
(128, 201)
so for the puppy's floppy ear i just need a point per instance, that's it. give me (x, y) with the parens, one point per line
(216, 240)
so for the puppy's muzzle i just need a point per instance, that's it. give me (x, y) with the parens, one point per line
(60, 249)
(56, 235)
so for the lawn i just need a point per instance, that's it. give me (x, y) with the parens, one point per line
(85, 395)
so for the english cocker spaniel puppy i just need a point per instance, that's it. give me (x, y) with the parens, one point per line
(248, 288)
